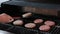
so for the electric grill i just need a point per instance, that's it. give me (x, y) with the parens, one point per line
(17, 8)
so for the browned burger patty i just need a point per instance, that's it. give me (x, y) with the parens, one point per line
(18, 22)
(30, 25)
(50, 23)
(38, 21)
(44, 28)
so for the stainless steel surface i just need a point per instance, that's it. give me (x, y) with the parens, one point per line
(4, 32)
(1, 1)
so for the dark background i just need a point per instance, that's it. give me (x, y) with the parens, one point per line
(43, 1)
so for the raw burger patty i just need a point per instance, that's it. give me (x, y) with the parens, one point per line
(44, 28)
(38, 21)
(16, 17)
(26, 15)
(30, 25)
(4, 18)
(50, 23)
(18, 22)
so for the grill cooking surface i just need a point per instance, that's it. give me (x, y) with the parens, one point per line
(22, 30)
